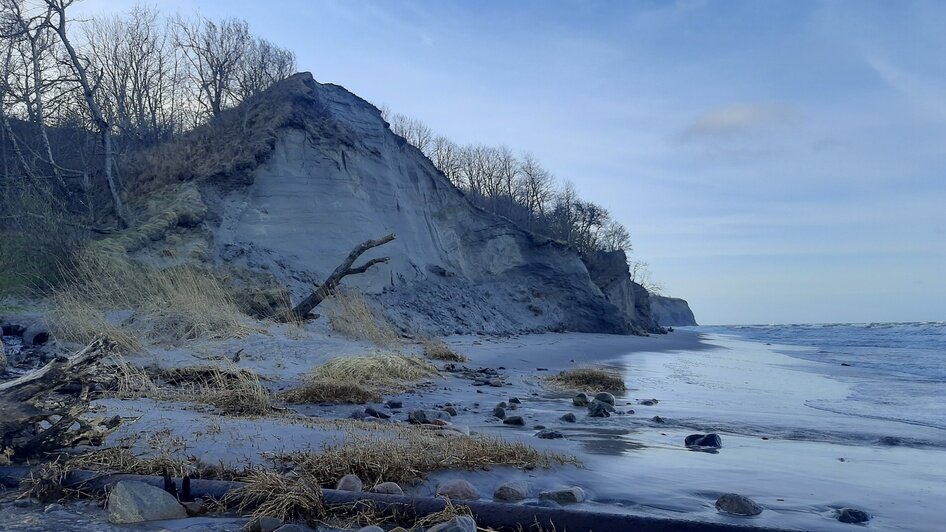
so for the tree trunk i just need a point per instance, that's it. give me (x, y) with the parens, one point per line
(302, 310)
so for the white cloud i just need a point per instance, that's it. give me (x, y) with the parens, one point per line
(739, 120)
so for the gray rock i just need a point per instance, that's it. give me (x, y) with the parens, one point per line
(371, 528)
(376, 413)
(499, 412)
(598, 409)
(136, 502)
(292, 527)
(515, 401)
(349, 483)
(461, 523)
(496, 383)
(703, 440)
(511, 491)
(581, 399)
(262, 524)
(648, 402)
(457, 489)
(549, 434)
(515, 421)
(735, 504)
(451, 410)
(569, 418)
(605, 397)
(392, 404)
(426, 417)
(564, 496)
(657, 419)
(852, 515)
(388, 488)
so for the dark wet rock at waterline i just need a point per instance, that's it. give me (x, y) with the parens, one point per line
(451, 410)
(581, 399)
(569, 418)
(457, 489)
(426, 417)
(376, 413)
(511, 491)
(605, 397)
(598, 409)
(499, 412)
(735, 504)
(549, 434)
(515, 400)
(852, 515)
(392, 404)
(704, 440)
(564, 496)
(516, 421)
(648, 402)
(657, 419)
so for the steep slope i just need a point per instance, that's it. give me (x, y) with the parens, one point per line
(609, 270)
(671, 311)
(336, 175)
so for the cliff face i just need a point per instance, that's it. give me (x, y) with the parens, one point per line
(337, 176)
(671, 311)
(609, 270)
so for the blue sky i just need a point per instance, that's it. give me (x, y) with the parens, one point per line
(775, 162)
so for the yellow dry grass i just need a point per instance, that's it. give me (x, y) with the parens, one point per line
(386, 453)
(360, 379)
(166, 305)
(588, 379)
(351, 315)
(439, 350)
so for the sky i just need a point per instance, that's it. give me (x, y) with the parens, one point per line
(774, 162)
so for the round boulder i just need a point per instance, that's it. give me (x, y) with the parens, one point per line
(735, 504)
(511, 491)
(349, 483)
(581, 399)
(457, 489)
(564, 496)
(388, 488)
(605, 397)
(516, 421)
(852, 515)
(569, 418)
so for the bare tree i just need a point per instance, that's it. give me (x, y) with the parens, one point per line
(263, 64)
(640, 274)
(80, 66)
(215, 51)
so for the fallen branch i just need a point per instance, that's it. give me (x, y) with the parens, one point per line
(302, 310)
(36, 419)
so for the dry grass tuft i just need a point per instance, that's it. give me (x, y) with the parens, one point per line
(237, 393)
(352, 316)
(170, 305)
(285, 497)
(449, 512)
(589, 379)
(395, 453)
(360, 379)
(123, 460)
(439, 350)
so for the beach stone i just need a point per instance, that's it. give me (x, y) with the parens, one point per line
(499, 412)
(458, 489)
(349, 483)
(549, 434)
(388, 488)
(515, 421)
(703, 440)
(598, 409)
(515, 401)
(569, 418)
(451, 410)
(564, 496)
(376, 414)
(852, 515)
(371, 528)
(605, 397)
(262, 524)
(657, 419)
(426, 417)
(394, 404)
(581, 399)
(735, 504)
(463, 523)
(511, 491)
(135, 502)
(292, 527)
(648, 402)
(495, 383)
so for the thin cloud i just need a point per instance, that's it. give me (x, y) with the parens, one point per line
(913, 87)
(739, 120)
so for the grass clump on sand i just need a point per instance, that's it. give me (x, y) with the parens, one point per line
(360, 379)
(439, 350)
(351, 315)
(405, 453)
(272, 494)
(235, 393)
(591, 379)
(169, 305)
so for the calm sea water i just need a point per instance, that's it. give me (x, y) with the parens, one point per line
(897, 371)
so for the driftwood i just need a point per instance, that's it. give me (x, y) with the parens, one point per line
(302, 310)
(35, 417)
